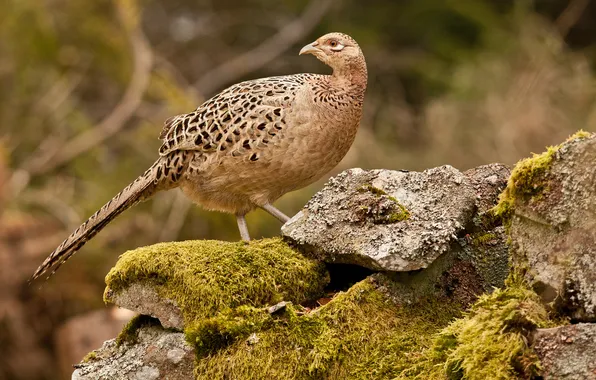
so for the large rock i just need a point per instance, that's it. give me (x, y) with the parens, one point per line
(403, 221)
(567, 352)
(384, 219)
(551, 203)
(154, 354)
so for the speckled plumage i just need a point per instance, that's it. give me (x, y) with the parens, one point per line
(250, 144)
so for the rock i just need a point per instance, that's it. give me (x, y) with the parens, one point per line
(488, 181)
(384, 219)
(487, 252)
(156, 354)
(144, 299)
(277, 307)
(348, 222)
(484, 245)
(567, 352)
(551, 204)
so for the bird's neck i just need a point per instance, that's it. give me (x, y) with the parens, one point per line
(351, 77)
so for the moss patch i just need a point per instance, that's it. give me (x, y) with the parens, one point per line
(482, 238)
(529, 179)
(90, 357)
(382, 209)
(359, 334)
(490, 342)
(207, 277)
(211, 334)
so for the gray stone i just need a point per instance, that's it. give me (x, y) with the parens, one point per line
(567, 352)
(553, 233)
(488, 181)
(359, 218)
(157, 354)
(484, 245)
(143, 299)
(488, 253)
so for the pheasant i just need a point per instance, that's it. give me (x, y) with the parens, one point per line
(250, 144)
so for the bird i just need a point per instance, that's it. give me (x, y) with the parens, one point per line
(250, 144)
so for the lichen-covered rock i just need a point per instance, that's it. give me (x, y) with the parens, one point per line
(385, 219)
(484, 245)
(143, 298)
(182, 281)
(381, 219)
(567, 352)
(488, 253)
(154, 354)
(550, 205)
(488, 181)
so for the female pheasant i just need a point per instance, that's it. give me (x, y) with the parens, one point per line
(250, 144)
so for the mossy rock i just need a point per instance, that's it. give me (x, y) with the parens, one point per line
(491, 340)
(548, 210)
(529, 179)
(203, 278)
(366, 332)
(359, 334)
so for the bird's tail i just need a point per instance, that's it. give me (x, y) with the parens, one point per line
(141, 189)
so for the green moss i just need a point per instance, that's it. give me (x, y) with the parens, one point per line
(401, 215)
(490, 342)
(359, 334)
(90, 357)
(211, 334)
(529, 179)
(207, 277)
(129, 333)
(370, 188)
(482, 238)
(387, 214)
(581, 134)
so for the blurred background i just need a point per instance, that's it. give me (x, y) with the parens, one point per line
(86, 85)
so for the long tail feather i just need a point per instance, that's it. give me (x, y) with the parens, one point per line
(141, 189)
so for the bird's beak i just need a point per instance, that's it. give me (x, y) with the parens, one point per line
(310, 49)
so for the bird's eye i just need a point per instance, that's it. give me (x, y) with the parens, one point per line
(336, 45)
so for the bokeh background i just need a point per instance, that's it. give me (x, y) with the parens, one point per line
(86, 85)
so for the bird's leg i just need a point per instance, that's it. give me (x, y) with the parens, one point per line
(242, 227)
(275, 212)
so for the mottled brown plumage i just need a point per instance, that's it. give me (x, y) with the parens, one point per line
(251, 143)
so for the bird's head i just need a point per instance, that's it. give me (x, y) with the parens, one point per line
(339, 51)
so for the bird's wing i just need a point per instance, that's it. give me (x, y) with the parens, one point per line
(235, 121)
